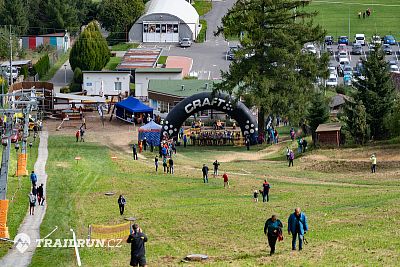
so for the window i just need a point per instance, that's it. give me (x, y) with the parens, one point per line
(145, 28)
(157, 28)
(175, 28)
(169, 28)
(152, 28)
(163, 28)
(117, 86)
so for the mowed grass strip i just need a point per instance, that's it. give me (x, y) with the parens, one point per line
(349, 224)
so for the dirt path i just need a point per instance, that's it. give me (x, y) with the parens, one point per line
(29, 230)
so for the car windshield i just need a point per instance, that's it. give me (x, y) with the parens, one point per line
(185, 39)
(332, 80)
(347, 68)
(390, 37)
(359, 38)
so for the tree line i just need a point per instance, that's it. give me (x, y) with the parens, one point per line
(48, 16)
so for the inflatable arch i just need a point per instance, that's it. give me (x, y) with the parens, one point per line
(206, 100)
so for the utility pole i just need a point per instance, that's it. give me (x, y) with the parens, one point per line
(11, 55)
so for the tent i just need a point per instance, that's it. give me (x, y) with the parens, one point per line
(152, 133)
(131, 107)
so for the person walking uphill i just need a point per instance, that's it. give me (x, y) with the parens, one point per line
(205, 173)
(273, 230)
(134, 152)
(297, 226)
(265, 193)
(291, 158)
(33, 178)
(121, 204)
(137, 240)
(373, 163)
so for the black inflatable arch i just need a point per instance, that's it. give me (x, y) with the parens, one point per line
(203, 101)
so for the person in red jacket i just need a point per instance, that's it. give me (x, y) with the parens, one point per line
(226, 180)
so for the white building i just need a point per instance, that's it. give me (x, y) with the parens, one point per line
(166, 21)
(106, 83)
(143, 76)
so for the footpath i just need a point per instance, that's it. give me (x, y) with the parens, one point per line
(31, 224)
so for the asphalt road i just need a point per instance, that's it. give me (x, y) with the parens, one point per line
(209, 58)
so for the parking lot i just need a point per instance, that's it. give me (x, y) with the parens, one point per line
(354, 59)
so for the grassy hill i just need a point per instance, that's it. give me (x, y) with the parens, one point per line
(353, 215)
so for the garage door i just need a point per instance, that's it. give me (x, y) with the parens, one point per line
(157, 32)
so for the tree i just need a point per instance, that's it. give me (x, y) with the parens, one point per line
(14, 12)
(53, 15)
(270, 64)
(355, 118)
(5, 44)
(376, 92)
(393, 120)
(90, 51)
(117, 16)
(318, 113)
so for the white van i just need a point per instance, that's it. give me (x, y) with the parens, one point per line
(360, 39)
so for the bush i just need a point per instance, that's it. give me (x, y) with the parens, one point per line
(75, 87)
(90, 51)
(64, 90)
(201, 37)
(42, 66)
(24, 71)
(78, 76)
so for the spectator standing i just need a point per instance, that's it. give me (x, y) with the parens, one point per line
(171, 165)
(373, 163)
(291, 158)
(287, 153)
(77, 134)
(121, 204)
(145, 144)
(216, 165)
(266, 187)
(304, 145)
(226, 180)
(82, 133)
(134, 150)
(297, 226)
(137, 240)
(205, 173)
(33, 178)
(156, 163)
(273, 230)
(164, 164)
(184, 140)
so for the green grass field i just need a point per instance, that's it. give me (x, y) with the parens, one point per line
(336, 15)
(113, 63)
(123, 46)
(17, 192)
(354, 216)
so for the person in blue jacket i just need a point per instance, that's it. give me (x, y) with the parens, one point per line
(297, 226)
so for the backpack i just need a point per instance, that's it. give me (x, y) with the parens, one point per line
(291, 156)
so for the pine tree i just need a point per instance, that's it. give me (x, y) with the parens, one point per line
(318, 112)
(14, 12)
(355, 118)
(90, 51)
(376, 92)
(269, 64)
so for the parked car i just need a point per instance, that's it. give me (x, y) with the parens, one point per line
(231, 52)
(359, 39)
(332, 81)
(332, 70)
(376, 39)
(394, 68)
(343, 62)
(371, 46)
(387, 49)
(185, 42)
(343, 40)
(13, 72)
(357, 49)
(342, 47)
(342, 54)
(329, 40)
(392, 62)
(347, 80)
(358, 69)
(389, 39)
(347, 70)
(311, 49)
